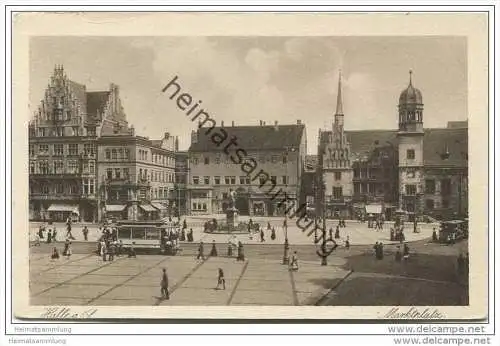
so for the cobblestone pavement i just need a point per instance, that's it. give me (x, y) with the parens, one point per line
(87, 280)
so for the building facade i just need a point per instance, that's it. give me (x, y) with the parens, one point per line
(63, 148)
(137, 176)
(411, 169)
(276, 153)
(85, 162)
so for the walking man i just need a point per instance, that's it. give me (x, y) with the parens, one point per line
(200, 251)
(85, 232)
(164, 285)
(221, 280)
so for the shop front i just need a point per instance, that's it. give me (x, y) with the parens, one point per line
(61, 212)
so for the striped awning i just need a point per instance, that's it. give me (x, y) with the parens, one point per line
(64, 207)
(374, 209)
(147, 207)
(115, 207)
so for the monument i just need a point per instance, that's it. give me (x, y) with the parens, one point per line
(232, 212)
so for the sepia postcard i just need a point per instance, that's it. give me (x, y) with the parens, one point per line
(250, 166)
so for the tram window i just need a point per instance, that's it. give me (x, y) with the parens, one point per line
(152, 234)
(138, 233)
(124, 233)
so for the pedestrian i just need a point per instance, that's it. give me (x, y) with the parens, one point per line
(183, 235)
(190, 235)
(112, 251)
(119, 251)
(273, 234)
(54, 234)
(184, 224)
(40, 231)
(294, 263)
(397, 256)
(164, 285)
(268, 226)
(131, 251)
(262, 235)
(221, 280)
(85, 232)
(241, 255)
(66, 247)
(381, 251)
(406, 251)
(347, 243)
(55, 254)
(49, 236)
(200, 251)
(69, 252)
(104, 250)
(337, 233)
(434, 235)
(68, 230)
(213, 252)
(229, 249)
(375, 249)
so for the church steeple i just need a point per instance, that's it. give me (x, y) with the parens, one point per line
(340, 108)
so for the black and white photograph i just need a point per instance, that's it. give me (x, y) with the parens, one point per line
(247, 171)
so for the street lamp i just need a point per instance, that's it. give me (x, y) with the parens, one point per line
(286, 246)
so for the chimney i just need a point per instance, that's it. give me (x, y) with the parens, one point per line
(276, 126)
(232, 123)
(299, 122)
(166, 135)
(176, 143)
(194, 137)
(222, 123)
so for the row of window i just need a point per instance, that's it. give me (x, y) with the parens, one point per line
(62, 149)
(62, 131)
(159, 159)
(231, 180)
(371, 173)
(58, 167)
(199, 206)
(117, 154)
(430, 186)
(162, 192)
(218, 160)
(88, 188)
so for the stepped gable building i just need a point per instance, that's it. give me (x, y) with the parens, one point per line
(85, 162)
(62, 147)
(277, 152)
(412, 169)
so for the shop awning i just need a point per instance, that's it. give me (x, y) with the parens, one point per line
(147, 207)
(374, 209)
(115, 207)
(64, 207)
(159, 206)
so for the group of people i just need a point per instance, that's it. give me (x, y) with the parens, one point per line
(40, 236)
(108, 245)
(67, 252)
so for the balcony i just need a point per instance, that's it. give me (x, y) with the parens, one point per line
(55, 175)
(126, 182)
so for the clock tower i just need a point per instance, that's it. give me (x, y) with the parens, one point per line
(410, 147)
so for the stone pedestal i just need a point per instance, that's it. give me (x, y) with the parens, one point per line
(232, 217)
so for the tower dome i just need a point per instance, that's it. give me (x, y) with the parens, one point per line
(410, 95)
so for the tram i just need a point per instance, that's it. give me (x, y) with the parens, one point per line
(149, 235)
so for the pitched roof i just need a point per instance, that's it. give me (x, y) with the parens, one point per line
(443, 147)
(253, 137)
(96, 101)
(453, 141)
(78, 91)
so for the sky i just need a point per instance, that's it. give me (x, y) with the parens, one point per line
(248, 79)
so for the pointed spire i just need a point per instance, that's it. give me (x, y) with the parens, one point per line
(340, 108)
(411, 72)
